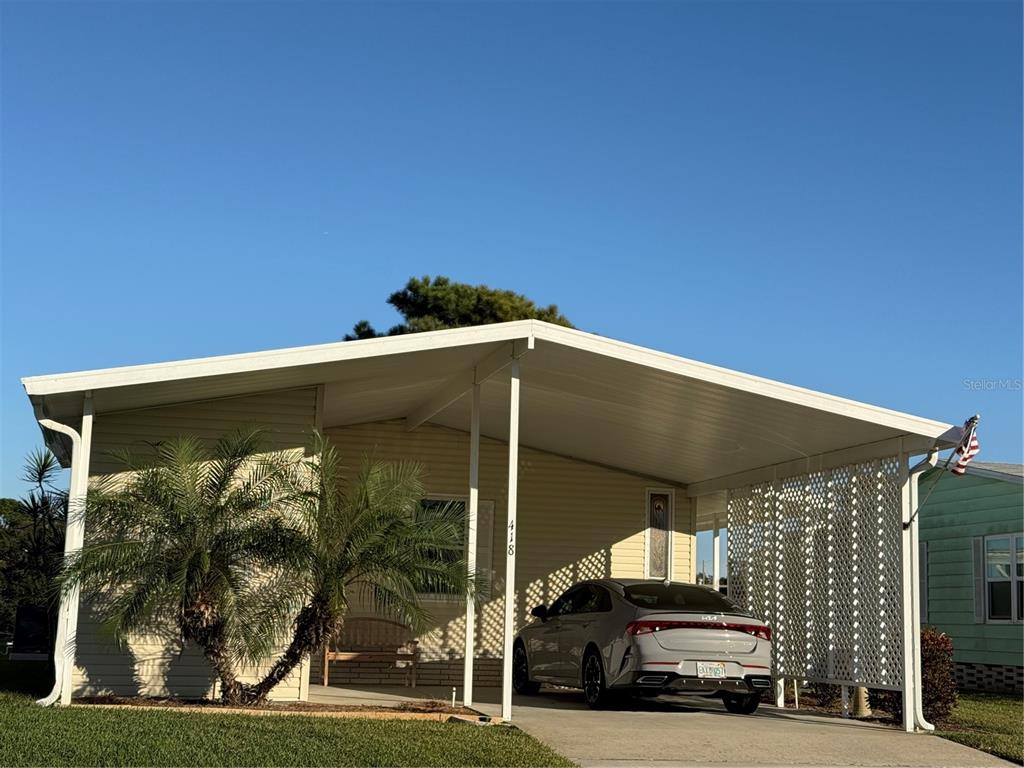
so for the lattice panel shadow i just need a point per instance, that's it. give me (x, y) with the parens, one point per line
(817, 556)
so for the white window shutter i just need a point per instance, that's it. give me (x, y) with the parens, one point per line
(979, 579)
(485, 546)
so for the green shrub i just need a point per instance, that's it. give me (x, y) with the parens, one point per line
(938, 684)
(825, 695)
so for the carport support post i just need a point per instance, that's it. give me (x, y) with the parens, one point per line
(471, 535)
(510, 542)
(75, 532)
(908, 576)
(716, 555)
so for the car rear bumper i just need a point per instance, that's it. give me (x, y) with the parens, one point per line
(670, 682)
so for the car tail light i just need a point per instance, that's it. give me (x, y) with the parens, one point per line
(647, 627)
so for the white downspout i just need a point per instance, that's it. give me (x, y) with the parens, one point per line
(915, 554)
(67, 615)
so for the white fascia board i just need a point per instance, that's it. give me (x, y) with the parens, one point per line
(745, 382)
(274, 359)
(520, 329)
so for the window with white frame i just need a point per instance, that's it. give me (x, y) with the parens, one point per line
(658, 557)
(1004, 572)
(485, 524)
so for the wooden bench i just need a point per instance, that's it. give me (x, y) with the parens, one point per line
(368, 638)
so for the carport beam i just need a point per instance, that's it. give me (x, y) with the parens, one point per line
(471, 544)
(510, 542)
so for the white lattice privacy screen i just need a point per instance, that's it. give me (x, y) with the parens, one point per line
(818, 557)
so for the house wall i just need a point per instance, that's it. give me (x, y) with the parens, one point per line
(575, 521)
(959, 510)
(155, 664)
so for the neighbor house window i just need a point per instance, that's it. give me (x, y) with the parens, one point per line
(1004, 572)
(658, 556)
(485, 521)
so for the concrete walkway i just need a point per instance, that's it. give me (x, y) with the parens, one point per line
(693, 733)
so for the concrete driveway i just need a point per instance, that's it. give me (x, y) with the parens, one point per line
(702, 733)
(692, 733)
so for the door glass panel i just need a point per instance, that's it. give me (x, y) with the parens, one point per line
(1020, 557)
(997, 558)
(657, 520)
(999, 600)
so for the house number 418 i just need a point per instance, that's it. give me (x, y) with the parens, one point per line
(511, 538)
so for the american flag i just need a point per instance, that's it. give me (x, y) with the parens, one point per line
(968, 448)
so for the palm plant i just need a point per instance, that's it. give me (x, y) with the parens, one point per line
(367, 538)
(32, 541)
(197, 539)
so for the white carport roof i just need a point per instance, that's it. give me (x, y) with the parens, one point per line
(583, 396)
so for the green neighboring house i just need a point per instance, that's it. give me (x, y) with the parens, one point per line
(972, 564)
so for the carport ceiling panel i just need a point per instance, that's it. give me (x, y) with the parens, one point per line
(357, 402)
(668, 426)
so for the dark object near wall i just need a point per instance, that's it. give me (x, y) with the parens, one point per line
(938, 683)
(31, 631)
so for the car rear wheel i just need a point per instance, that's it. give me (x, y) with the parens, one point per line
(741, 704)
(595, 691)
(521, 681)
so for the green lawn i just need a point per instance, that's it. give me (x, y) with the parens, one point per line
(988, 722)
(82, 736)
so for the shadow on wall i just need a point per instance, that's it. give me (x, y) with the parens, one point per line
(442, 643)
(445, 639)
(188, 675)
(147, 665)
(107, 665)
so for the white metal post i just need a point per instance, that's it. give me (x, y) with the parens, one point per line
(716, 555)
(75, 537)
(471, 544)
(915, 589)
(510, 542)
(907, 573)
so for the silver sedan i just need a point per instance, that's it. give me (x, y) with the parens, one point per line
(613, 636)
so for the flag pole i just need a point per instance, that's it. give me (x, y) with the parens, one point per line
(969, 426)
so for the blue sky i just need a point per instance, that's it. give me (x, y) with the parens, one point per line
(828, 194)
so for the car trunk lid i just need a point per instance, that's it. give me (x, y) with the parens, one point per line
(700, 633)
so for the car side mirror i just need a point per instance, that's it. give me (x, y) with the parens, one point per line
(541, 612)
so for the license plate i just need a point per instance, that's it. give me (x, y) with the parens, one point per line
(711, 669)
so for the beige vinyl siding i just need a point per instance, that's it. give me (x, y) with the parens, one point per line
(154, 664)
(684, 539)
(575, 521)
